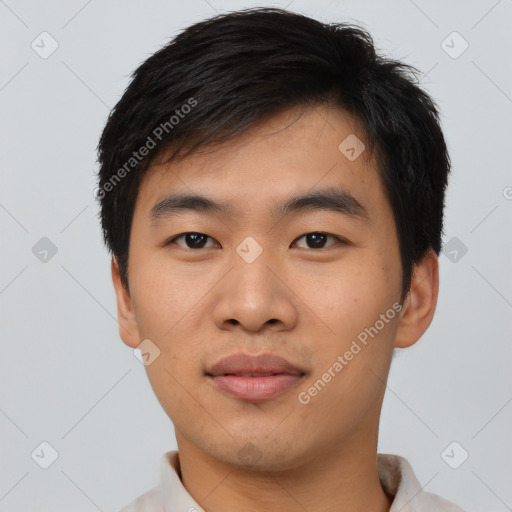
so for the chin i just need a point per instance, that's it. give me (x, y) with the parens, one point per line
(262, 455)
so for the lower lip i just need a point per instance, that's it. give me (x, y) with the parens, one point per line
(256, 388)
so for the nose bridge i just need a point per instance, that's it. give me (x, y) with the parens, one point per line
(252, 277)
(252, 293)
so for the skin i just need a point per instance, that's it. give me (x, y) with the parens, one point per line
(303, 303)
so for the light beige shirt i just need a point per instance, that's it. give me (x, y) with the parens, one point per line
(395, 473)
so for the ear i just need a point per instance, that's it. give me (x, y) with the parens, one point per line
(128, 328)
(420, 303)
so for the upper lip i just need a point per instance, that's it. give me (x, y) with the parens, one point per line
(245, 364)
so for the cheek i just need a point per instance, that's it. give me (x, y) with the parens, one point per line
(164, 297)
(178, 395)
(170, 306)
(350, 303)
(351, 295)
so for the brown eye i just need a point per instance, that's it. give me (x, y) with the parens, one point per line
(317, 240)
(192, 240)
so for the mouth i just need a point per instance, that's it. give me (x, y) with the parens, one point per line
(254, 378)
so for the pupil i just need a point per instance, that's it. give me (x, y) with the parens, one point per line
(193, 238)
(316, 239)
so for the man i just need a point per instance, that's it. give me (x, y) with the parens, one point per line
(272, 193)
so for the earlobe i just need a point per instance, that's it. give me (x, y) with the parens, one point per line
(128, 327)
(420, 303)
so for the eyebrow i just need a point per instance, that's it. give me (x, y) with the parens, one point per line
(330, 199)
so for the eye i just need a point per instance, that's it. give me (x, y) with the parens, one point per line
(317, 239)
(192, 240)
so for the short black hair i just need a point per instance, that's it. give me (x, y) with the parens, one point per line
(223, 75)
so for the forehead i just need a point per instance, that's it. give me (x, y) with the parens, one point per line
(291, 154)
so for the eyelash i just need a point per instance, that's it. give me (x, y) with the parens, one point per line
(173, 240)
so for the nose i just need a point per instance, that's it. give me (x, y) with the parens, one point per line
(255, 296)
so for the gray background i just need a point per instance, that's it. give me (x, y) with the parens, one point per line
(66, 377)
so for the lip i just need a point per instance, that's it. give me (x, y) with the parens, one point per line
(254, 378)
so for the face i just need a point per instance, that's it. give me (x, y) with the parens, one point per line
(317, 284)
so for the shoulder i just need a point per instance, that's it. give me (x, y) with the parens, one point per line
(150, 501)
(400, 483)
(435, 502)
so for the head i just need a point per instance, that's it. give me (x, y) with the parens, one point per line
(327, 166)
